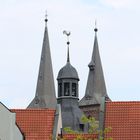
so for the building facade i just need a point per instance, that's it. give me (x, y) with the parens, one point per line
(9, 130)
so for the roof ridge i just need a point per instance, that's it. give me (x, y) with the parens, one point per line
(122, 102)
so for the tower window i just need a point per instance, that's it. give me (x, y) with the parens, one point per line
(66, 89)
(81, 127)
(73, 89)
(60, 89)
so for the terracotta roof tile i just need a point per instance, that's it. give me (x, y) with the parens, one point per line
(73, 136)
(36, 124)
(124, 118)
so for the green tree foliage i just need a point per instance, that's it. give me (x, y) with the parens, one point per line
(93, 129)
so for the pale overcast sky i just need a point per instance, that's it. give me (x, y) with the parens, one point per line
(21, 36)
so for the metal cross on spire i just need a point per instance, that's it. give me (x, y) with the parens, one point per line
(95, 29)
(67, 33)
(46, 17)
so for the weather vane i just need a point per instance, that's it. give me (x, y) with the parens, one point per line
(67, 33)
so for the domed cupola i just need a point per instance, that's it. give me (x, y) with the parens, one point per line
(68, 71)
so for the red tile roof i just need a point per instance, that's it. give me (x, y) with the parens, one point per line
(36, 124)
(124, 118)
(85, 136)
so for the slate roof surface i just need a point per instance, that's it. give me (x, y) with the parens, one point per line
(45, 91)
(124, 118)
(68, 71)
(96, 88)
(36, 124)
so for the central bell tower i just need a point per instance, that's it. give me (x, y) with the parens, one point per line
(68, 95)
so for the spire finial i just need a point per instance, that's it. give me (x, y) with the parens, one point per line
(68, 55)
(46, 17)
(95, 29)
(67, 33)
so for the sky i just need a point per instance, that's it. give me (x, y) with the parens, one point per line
(21, 35)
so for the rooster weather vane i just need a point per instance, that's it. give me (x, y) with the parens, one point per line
(67, 33)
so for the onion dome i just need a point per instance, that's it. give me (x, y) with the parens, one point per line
(68, 72)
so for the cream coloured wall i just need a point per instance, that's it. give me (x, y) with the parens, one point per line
(8, 127)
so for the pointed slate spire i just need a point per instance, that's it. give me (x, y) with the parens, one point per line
(45, 91)
(96, 87)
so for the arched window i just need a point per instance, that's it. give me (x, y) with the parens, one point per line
(59, 89)
(74, 89)
(66, 89)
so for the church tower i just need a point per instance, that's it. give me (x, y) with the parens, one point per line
(68, 95)
(96, 88)
(45, 91)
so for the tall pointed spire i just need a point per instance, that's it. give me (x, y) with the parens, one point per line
(45, 91)
(96, 87)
